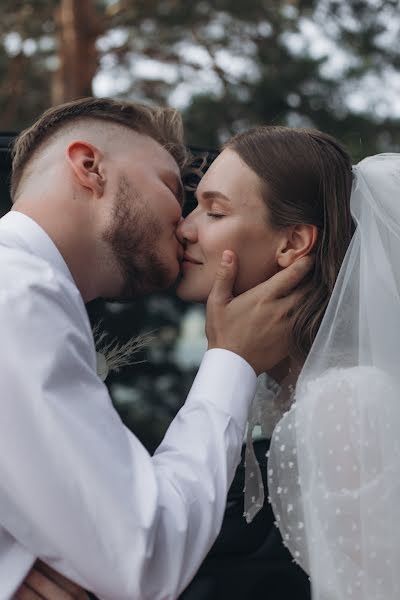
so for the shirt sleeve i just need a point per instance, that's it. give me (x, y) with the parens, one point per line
(77, 489)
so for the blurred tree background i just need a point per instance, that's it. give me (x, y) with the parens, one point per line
(227, 65)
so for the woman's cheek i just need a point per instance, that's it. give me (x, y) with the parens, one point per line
(217, 236)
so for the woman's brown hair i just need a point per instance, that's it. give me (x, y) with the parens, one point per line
(305, 177)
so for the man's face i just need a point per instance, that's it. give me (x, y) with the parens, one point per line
(146, 210)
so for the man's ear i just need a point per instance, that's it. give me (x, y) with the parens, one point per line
(299, 241)
(86, 162)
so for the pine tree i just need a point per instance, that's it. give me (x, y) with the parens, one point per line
(254, 55)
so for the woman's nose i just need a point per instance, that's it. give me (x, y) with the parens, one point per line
(186, 231)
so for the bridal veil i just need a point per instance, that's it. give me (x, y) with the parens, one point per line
(334, 464)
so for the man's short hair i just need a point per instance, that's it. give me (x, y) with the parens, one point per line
(164, 125)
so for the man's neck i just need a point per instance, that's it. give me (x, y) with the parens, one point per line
(67, 237)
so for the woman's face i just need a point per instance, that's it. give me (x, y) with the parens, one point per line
(230, 215)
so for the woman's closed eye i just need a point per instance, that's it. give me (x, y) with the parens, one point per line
(215, 215)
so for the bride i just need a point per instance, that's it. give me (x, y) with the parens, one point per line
(332, 406)
(274, 195)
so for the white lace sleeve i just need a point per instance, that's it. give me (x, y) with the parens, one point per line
(336, 485)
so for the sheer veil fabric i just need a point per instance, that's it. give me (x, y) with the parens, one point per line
(334, 463)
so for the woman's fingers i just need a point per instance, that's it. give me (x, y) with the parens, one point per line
(222, 290)
(283, 283)
(26, 593)
(44, 587)
(255, 324)
(43, 583)
(290, 302)
(74, 590)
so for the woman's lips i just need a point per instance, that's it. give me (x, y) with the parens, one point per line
(189, 262)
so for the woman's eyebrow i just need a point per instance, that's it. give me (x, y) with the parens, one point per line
(209, 195)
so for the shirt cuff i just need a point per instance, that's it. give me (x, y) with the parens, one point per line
(226, 380)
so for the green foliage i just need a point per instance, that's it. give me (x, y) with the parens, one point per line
(261, 67)
(290, 84)
(27, 57)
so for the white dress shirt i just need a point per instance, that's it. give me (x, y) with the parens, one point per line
(77, 488)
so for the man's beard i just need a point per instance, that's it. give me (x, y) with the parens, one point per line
(132, 236)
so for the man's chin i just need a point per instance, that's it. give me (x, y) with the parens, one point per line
(163, 283)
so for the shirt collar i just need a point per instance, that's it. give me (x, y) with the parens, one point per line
(17, 229)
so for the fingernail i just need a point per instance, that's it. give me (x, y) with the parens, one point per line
(226, 258)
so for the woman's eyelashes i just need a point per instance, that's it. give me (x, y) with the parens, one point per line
(215, 215)
(214, 211)
(210, 211)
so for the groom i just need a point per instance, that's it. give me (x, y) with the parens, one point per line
(97, 196)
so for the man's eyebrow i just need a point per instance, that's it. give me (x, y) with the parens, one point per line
(209, 195)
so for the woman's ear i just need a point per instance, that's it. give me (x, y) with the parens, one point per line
(86, 162)
(299, 241)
